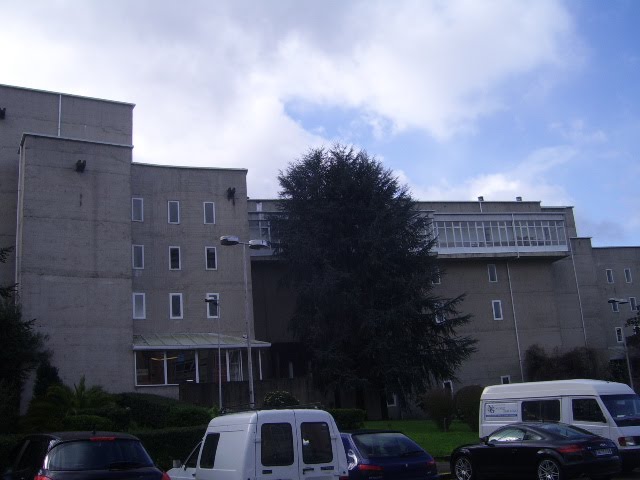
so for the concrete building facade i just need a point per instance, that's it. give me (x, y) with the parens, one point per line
(121, 265)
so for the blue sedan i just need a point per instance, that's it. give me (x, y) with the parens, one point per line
(386, 455)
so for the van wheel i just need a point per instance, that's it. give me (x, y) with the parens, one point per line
(463, 468)
(549, 469)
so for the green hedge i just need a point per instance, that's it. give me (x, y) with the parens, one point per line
(88, 422)
(7, 443)
(170, 444)
(348, 418)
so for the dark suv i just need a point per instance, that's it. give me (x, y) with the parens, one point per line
(82, 455)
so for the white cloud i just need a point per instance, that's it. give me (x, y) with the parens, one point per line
(532, 179)
(211, 80)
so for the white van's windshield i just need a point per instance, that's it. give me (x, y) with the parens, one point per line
(625, 409)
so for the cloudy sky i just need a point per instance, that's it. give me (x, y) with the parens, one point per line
(460, 98)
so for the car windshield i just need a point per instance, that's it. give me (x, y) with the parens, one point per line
(625, 409)
(386, 444)
(108, 454)
(564, 431)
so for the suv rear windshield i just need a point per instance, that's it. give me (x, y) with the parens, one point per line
(100, 454)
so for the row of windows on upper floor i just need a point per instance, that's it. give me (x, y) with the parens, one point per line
(492, 274)
(633, 305)
(174, 258)
(176, 306)
(173, 211)
(628, 278)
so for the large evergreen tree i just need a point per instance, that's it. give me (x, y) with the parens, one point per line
(361, 261)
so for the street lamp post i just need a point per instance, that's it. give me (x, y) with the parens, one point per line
(615, 302)
(229, 240)
(215, 302)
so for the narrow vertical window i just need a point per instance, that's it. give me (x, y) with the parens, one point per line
(209, 212)
(174, 258)
(210, 258)
(137, 209)
(496, 305)
(633, 304)
(627, 275)
(505, 379)
(493, 273)
(619, 337)
(213, 305)
(173, 211)
(137, 256)
(435, 276)
(609, 275)
(615, 307)
(175, 305)
(448, 386)
(139, 307)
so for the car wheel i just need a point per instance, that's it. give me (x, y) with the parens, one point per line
(549, 469)
(463, 468)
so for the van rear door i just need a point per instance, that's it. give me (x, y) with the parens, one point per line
(320, 445)
(276, 447)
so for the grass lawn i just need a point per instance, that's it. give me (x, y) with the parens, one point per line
(424, 432)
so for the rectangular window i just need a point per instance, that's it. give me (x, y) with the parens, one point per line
(175, 305)
(173, 211)
(619, 334)
(139, 308)
(209, 449)
(448, 386)
(633, 304)
(609, 275)
(174, 258)
(541, 411)
(587, 410)
(496, 305)
(213, 305)
(392, 399)
(316, 443)
(137, 209)
(627, 275)
(209, 212)
(210, 258)
(435, 276)
(137, 256)
(150, 368)
(276, 445)
(181, 366)
(493, 273)
(615, 307)
(505, 379)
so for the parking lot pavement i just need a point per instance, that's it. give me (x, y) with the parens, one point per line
(445, 474)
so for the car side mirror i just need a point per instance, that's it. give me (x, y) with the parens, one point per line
(177, 463)
(484, 440)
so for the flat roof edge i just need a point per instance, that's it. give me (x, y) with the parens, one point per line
(51, 92)
(71, 139)
(189, 167)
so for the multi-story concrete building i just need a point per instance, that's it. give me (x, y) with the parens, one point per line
(115, 260)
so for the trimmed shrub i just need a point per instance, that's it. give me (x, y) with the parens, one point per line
(279, 399)
(187, 416)
(7, 444)
(170, 444)
(119, 416)
(146, 410)
(348, 418)
(87, 422)
(467, 403)
(438, 405)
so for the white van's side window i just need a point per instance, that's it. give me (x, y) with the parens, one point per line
(316, 442)
(277, 444)
(541, 410)
(587, 410)
(208, 457)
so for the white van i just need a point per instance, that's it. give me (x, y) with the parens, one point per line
(271, 444)
(608, 409)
